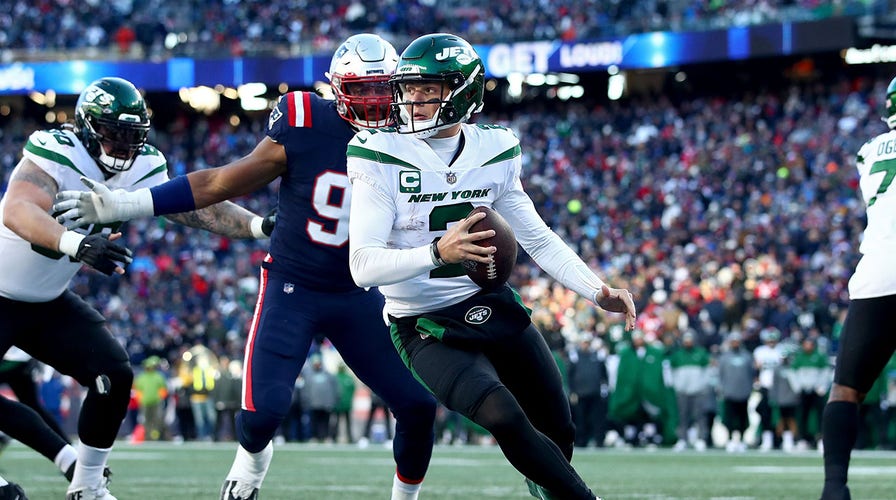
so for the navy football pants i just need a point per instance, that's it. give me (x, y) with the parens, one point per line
(287, 319)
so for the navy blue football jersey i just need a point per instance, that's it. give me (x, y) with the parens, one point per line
(310, 241)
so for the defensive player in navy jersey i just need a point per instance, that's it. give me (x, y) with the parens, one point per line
(306, 285)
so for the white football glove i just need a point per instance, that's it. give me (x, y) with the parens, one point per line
(100, 205)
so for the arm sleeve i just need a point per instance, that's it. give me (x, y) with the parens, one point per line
(545, 247)
(372, 263)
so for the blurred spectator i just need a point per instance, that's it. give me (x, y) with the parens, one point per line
(321, 394)
(588, 391)
(767, 358)
(689, 363)
(227, 396)
(736, 376)
(813, 374)
(342, 412)
(151, 391)
(784, 395)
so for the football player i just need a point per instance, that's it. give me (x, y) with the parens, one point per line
(306, 285)
(866, 344)
(38, 313)
(476, 350)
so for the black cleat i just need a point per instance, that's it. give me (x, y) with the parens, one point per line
(12, 491)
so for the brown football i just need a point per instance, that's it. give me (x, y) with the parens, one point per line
(493, 276)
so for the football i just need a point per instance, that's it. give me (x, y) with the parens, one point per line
(493, 276)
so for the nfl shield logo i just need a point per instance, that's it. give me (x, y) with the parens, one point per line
(288, 288)
(451, 177)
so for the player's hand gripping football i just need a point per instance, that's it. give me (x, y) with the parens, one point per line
(617, 300)
(100, 205)
(459, 244)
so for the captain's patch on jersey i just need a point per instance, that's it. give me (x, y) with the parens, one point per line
(409, 181)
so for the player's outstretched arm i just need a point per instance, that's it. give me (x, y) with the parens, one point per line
(195, 190)
(26, 213)
(182, 195)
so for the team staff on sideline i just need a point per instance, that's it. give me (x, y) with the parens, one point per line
(38, 313)
(306, 286)
(866, 343)
(409, 234)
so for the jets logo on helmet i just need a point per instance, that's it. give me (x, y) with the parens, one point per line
(443, 59)
(359, 76)
(462, 54)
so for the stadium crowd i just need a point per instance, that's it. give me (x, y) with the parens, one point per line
(162, 28)
(726, 216)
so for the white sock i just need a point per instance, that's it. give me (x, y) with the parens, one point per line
(404, 491)
(3, 482)
(66, 457)
(90, 465)
(251, 467)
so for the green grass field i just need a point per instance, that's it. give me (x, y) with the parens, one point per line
(319, 472)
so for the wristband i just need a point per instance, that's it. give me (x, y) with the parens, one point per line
(69, 243)
(255, 227)
(434, 254)
(173, 197)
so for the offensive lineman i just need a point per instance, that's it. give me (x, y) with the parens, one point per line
(306, 286)
(866, 343)
(477, 351)
(37, 311)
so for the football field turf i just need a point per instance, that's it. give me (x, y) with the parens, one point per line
(320, 472)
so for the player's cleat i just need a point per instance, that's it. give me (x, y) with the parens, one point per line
(235, 490)
(98, 492)
(541, 493)
(12, 491)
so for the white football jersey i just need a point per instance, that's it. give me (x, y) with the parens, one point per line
(429, 196)
(33, 274)
(875, 275)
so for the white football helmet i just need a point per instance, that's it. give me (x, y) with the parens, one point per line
(359, 74)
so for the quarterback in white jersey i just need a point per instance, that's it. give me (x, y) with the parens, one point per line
(418, 183)
(866, 342)
(38, 313)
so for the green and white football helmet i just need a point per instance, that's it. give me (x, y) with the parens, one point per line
(891, 105)
(112, 122)
(441, 58)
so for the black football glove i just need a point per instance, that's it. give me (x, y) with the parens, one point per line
(103, 255)
(270, 220)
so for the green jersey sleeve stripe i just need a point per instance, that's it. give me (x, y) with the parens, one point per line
(51, 155)
(161, 168)
(506, 155)
(369, 154)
